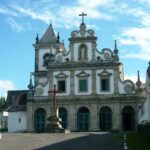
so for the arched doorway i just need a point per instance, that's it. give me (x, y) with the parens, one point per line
(63, 116)
(83, 119)
(39, 120)
(105, 119)
(128, 118)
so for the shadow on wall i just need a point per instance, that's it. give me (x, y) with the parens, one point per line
(110, 141)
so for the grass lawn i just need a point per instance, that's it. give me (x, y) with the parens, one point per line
(138, 141)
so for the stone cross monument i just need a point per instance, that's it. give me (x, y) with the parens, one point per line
(54, 125)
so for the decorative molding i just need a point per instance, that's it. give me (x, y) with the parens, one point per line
(83, 74)
(128, 88)
(61, 75)
(105, 73)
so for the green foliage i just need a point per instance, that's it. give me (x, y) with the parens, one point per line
(138, 141)
(3, 103)
(3, 130)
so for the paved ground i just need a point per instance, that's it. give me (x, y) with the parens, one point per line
(70, 141)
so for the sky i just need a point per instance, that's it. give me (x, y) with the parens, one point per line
(127, 21)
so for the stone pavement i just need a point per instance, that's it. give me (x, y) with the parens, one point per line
(61, 141)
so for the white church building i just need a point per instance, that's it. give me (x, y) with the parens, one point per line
(93, 93)
(144, 107)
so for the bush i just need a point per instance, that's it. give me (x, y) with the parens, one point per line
(3, 130)
(145, 128)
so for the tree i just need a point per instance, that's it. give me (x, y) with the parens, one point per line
(3, 103)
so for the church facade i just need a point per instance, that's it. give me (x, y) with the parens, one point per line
(92, 93)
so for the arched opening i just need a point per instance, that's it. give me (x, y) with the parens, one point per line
(39, 120)
(83, 119)
(63, 116)
(128, 118)
(105, 119)
(23, 100)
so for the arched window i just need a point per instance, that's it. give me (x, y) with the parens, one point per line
(105, 118)
(83, 119)
(39, 120)
(23, 100)
(82, 52)
(128, 118)
(63, 116)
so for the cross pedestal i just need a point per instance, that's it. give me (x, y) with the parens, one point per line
(54, 125)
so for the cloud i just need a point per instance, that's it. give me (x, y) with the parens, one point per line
(14, 25)
(94, 3)
(133, 78)
(7, 11)
(136, 35)
(44, 16)
(6, 85)
(62, 15)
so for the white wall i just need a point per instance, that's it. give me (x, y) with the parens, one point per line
(13, 121)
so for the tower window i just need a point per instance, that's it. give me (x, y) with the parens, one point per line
(83, 86)
(62, 85)
(105, 84)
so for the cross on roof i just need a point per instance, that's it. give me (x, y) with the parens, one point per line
(82, 15)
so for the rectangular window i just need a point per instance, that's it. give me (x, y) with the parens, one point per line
(83, 87)
(105, 84)
(62, 85)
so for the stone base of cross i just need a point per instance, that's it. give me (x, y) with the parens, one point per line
(54, 125)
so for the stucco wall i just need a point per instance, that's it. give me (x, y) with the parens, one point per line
(13, 121)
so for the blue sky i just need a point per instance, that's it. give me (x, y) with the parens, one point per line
(20, 20)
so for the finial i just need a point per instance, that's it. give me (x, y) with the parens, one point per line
(58, 37)
(115, 48)
(30, 86)
(138, 76)
(37, 39)
(63, 42)
(138, 83)
(50, 23)
(82, 15)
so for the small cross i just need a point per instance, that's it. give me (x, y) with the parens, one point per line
(83, 14)
(54, 92)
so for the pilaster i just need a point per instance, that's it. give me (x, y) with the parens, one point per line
(30, 118)
(116, 80)
(116, 117)
(72, 117)
(94, 118)
(93, 82)
(72, 82)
